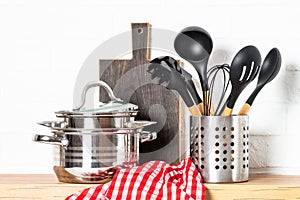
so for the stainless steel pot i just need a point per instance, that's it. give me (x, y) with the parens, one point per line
(92, 153)
(93, 156)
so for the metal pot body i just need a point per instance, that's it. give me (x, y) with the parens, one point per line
(93, 157)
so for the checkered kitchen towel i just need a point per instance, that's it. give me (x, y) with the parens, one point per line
(152, 180)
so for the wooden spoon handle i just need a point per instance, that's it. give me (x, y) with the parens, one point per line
(245, 109)
(194, 110)
(227, 111)
(201, 108)
(208, 108)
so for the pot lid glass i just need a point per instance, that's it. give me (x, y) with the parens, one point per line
(113, 106)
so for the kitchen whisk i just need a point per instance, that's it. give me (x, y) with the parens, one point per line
(222, 72)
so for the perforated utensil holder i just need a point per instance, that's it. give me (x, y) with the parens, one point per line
(220, 147)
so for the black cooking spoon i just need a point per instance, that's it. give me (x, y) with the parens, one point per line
(268, 71)
(172, 63)
(173, 80)
(243, 70)
(195, 45)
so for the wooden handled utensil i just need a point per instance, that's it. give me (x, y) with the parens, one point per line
(243, 70)
(173, 80)
(195, 45)
(172, 63)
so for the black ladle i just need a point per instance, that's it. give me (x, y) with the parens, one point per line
(243, 70)
(268, 72)
(194, 44)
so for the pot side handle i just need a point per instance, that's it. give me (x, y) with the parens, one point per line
(54, 140)
(146, 136)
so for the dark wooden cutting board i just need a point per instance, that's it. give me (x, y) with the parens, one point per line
(131, 82)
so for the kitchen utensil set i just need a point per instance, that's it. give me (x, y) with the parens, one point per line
(194, 44)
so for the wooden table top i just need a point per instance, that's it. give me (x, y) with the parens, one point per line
(46, 186)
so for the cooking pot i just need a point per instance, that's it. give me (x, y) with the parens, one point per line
(92, 144)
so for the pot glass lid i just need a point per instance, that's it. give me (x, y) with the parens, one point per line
(114, 105)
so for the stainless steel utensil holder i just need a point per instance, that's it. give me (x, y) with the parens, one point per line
(220, 147)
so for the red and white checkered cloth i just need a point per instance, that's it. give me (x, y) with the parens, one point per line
(152, 180)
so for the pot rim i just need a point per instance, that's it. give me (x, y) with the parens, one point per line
(68, 114)
(130, 127)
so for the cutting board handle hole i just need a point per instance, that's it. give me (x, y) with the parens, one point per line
(140, 31)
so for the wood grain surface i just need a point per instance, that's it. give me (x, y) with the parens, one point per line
(131, 82)
(45, 186)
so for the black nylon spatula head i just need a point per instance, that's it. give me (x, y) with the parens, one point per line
(172, 63)
(173, 80)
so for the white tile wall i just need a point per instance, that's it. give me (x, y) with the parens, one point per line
(43, 45)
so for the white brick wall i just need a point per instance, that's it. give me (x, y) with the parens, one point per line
(44, 43)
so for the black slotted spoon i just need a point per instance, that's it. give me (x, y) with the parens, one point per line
(244, 68)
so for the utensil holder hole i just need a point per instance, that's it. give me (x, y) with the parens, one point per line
(217, 144)
(232, 128)
(232, 136)
(217, 129)
(202, 128)
(217, 136)
(224, 136)
(232, 144)
(225, 167)
(217, 152)
(217, 167)
(224, 128)
(231, 151)
(225, 152)
(232, 167)
(225, 144)
(217, 159)
(225, 159)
